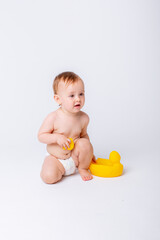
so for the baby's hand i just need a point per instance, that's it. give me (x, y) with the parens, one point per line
(63, 141)
(94, 159)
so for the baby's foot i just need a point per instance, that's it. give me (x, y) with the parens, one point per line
(85, 175)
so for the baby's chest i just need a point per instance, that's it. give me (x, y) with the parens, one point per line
(68, 128)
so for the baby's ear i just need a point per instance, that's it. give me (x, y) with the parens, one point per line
(57, 99)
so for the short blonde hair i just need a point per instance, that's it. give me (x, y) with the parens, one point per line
(67, 77)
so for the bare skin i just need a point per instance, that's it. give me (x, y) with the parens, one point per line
(67, 121)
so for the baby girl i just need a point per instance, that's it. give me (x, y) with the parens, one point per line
(68, 121)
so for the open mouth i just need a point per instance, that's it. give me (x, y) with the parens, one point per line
(77, 105)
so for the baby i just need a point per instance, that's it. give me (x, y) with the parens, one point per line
(68, 121)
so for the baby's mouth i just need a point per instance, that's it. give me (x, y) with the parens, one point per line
(77, 105)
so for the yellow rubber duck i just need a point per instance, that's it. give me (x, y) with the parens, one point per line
(107, 167)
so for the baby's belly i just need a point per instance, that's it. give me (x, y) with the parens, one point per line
(58, 152)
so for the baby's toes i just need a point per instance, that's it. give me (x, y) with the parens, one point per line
(90, 177)
(85, 175)
(85, 178)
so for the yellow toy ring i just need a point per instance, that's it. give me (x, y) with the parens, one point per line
(71, 145)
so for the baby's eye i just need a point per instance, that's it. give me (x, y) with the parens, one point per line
(81, 94)
(72, 96)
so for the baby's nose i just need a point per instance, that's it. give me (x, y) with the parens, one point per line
(77, 98)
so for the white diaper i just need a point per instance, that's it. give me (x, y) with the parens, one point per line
(68, 164)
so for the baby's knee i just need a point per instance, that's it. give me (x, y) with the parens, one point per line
(50, 177)
(85, 145)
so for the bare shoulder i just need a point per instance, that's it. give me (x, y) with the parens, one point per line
(48, 123)
(50, 118)
(85, 118)
(51, 115)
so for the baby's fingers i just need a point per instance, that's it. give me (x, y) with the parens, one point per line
(94, 159)
(67, 144)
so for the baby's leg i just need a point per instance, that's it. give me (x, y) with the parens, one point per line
(52, 170)
(83, 153)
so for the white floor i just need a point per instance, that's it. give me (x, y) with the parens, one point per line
(127, 207)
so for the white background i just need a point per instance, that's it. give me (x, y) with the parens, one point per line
(114, 47)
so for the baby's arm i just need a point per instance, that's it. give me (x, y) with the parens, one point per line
(85, 125)
(46, 133)
(84, 132)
